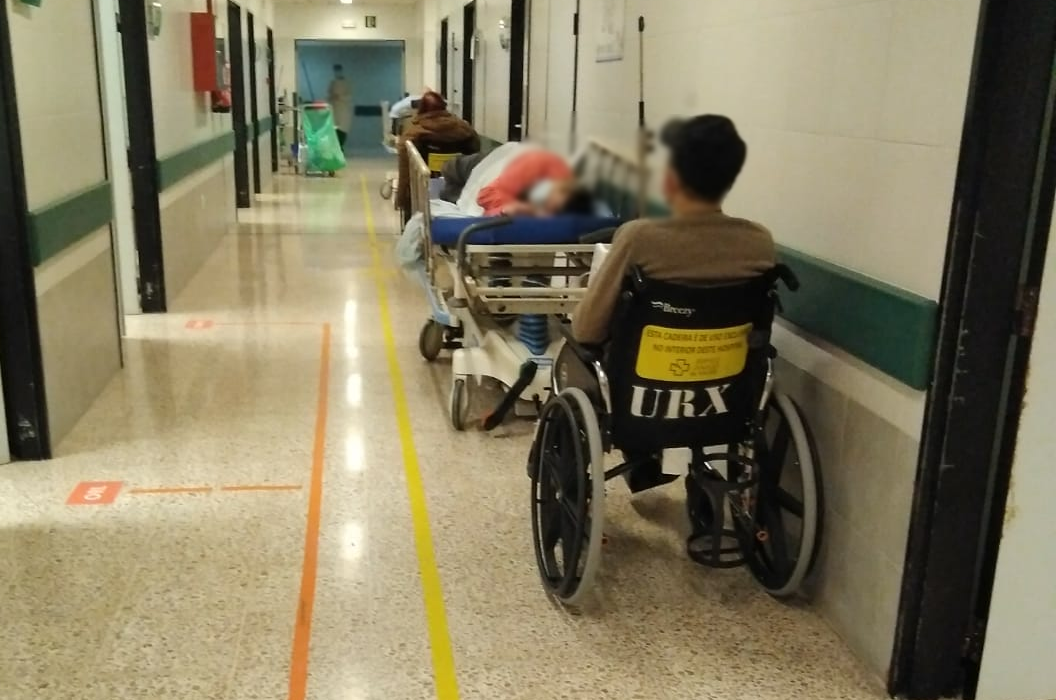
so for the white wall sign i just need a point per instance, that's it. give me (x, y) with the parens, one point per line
(612, 31)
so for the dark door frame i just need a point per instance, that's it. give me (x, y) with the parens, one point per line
(469, 31)
(273, 109)
(443, 58)
(21, 361)
(243, 199)
(1003, 204)
(518, 54)
(254, 102)
(143, 156)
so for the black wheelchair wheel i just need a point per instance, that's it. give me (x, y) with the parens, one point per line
(781, 535)
(431, 340)
(568, 496)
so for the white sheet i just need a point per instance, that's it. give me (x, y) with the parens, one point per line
(486, 172)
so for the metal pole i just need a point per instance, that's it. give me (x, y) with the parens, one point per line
(575, 80)
(644, 138)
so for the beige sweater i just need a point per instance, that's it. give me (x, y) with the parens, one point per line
(691, 250)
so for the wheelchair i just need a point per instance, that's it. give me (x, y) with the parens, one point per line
(686, 367)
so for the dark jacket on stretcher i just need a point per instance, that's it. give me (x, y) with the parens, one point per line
(439, 129)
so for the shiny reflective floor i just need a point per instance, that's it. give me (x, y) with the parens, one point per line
(293, 518)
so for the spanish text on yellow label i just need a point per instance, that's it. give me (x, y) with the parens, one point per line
(681, 355)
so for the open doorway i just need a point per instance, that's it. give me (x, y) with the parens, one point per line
(469, 58)
(273, 134)
(445, 29)
(142, 156)
(518, 65)
(238, 105)
(110, 58)
(375, 72)
(254, 101)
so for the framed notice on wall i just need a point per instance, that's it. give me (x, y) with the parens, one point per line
(612, 30)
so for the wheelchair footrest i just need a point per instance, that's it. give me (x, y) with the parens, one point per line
(719, 549)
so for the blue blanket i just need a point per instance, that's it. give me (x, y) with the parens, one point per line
(522, 231)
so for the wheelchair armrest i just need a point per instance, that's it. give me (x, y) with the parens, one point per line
(588, 354)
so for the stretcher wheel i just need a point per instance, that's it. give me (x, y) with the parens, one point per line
(431, 340)
(459, 403)
(782, 545)
(567, 471)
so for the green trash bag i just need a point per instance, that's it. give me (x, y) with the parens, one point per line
(324, 150)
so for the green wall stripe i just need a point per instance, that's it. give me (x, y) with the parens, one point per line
(57, 226)
(177, 166)
(889, 328)
(263, 126)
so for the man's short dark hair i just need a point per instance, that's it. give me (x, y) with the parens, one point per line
(707, 153)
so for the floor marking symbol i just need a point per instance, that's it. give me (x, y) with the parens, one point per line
(94, 493)
(444, 676)
(199, 324)
(302, 630)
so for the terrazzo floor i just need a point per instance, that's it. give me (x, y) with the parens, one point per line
(198, 593)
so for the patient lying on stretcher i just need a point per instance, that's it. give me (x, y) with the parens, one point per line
(517, 179)
(698, 244)
(535, 183)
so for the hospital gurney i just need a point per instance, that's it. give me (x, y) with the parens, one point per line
(496, 289)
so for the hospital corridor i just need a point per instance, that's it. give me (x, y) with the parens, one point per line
(527, 349)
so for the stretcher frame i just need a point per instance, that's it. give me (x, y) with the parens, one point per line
(473, 299)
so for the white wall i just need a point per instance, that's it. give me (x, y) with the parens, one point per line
(402, 22)
(58, 103)
(182, 117)
(1021, 632)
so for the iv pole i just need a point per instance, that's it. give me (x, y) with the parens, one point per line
(645, 138)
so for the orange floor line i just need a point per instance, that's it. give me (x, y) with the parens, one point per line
(266, 323)
(302, 631)
(262, 487)
(169, 490)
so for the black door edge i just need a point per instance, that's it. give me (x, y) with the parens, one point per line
(21, 360)
(1002, 207)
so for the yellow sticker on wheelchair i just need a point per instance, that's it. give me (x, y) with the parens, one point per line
(681, 355)
(437, 160)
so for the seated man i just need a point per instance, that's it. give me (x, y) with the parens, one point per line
(437, 127)
(697, 245)
(537, 182)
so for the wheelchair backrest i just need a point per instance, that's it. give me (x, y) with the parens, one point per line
(436, 154)
(687, 366)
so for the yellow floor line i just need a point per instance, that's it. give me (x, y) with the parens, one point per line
(439, 637)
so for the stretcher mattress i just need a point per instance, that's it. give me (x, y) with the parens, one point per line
(555, 230)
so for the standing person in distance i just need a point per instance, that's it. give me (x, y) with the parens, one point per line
(339, 95)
